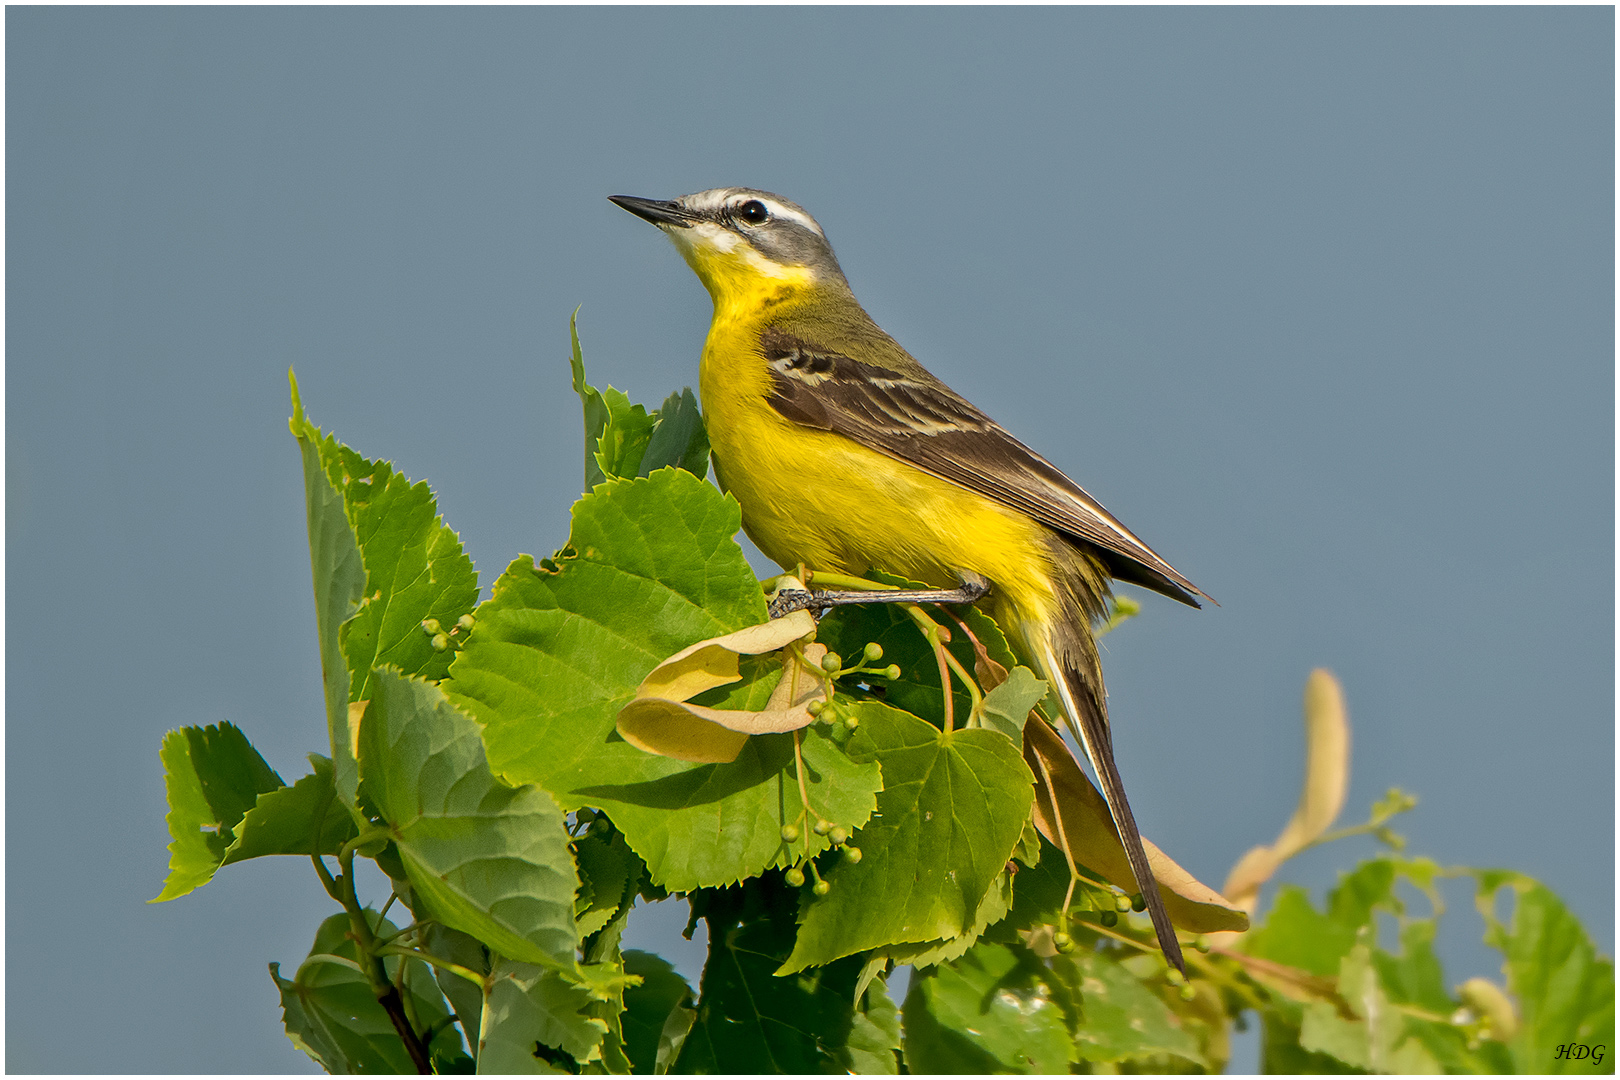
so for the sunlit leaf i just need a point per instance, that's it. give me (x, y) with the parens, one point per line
(303, 819)
(560, 648)
(340, 581)
(1564, 990)
(950, 813)
(490, 860)
(624, 438)
(213, 777)
(1008, 705)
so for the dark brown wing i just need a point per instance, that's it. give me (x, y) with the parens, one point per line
(914, 418)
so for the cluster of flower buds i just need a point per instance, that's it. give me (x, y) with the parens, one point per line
(442, 639)
(837, 835)
(841, 720)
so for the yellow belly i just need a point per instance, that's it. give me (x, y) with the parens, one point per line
(826, 501)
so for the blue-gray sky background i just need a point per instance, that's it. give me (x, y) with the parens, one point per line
(1318, 301)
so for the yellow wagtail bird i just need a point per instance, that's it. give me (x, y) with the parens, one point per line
(846, 455)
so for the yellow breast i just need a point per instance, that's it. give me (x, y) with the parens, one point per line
(828, 502)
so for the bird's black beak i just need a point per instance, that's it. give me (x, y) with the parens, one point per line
(657, 211)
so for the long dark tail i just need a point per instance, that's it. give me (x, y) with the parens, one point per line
(1070, 657)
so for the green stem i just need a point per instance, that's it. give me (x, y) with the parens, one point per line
(937, 635)
(326, 958)
(369, 836)
(439, 962)
(383, 914)
(388, 995)
(844, 581)
(976, 711)
(326, 878)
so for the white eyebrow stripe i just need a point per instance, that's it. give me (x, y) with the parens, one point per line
(788, 213)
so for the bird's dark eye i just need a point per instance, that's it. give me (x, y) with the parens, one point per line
(753, 212)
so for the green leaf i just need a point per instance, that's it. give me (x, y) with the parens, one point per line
(1565, 991)
(1280, 1051)
(466, 997)
(305, 819)
(489, 860)
(679, 438)
(213, 777)
(648, 1009)
(992, 1011)
(651, 568)
(596, 412)
(1008, 705)
(1378, 1039)
(1120, 1018)
(1370, 886)
(525, 1005)
(873, 1045)
(950, 813)
(415, 570)
(340, 580)
(1295, 933)
(605, 866)
(1038, 891)
(332, 1015)
(718, 824)
(624, 438)
(846, 629)
(992, 909)
(748, 1019)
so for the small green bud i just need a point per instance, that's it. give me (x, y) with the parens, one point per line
(440, 642)
(821, 888)
(831, 662)
(815, 707)
(795, 877)
(1188, 992)
(1122, 903)
(822, 828)
(1201, 943)
(431, 626)
(1174, 977)
(1138, 902)
(873, 653)
(853, 854)
(852, 721)
(465, 622)
(1062, 941)
(790, 833)
(892, 672)
(838, 835)
(1108, 918)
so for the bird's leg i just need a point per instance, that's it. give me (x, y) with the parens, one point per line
(790, 600)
